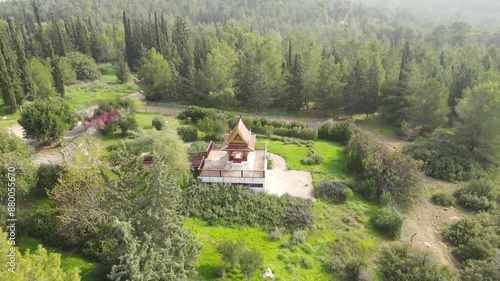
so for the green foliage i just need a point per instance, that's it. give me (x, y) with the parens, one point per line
(337, 131)
(250, 261)
(39, 263)
(188, 133)
(213, 129)
(401, 262)
(397, 173)
(298, 237)
(48, 120)
(388, 222)
(478, 111)
(230, 251)
(347, 256)
(123, 72)
(85, 67)
(128, 123)
(195, 114)
(48, 176)
(228, 205)
(312, 159)
(480, 270)
(445, 161)
(479, 195)
(476, 237)
(158, 123)
(443, 199)
(369, 189)
(42, 79)
(332, 191)
(68, 71)
(154, 77)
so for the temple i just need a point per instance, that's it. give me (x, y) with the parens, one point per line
(239, 160)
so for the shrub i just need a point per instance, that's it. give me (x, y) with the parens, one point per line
(132, 134)
(127, 123)
(346, 254)
(188, 133)
(198, 146)
(313, 159)
(250, 261)
(123, 72)
(85, 67)
(443, 199)
(461, 232)
(158, 123)
(48, 175)
(480, 270)
(476, 249)
(298, 237)
(332, 191)
(385, 199)
(337, 131)
(369, 189)
(230, 251)
(409, 131)
(197, 113)
(388, 222)
(276, 234)
(479, 195)
(229, 205)
(446, 161)
(401, 262)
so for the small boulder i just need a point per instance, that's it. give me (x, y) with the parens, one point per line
(268, 274)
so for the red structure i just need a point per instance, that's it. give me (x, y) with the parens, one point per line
(239, 143)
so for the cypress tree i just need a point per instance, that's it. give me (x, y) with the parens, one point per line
(13, 83)
(57, 76)
(24, 74)
(8, 94)
(295, 87)
(82, 38)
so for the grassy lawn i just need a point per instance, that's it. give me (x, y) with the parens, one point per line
(304, 262)
(376, 124)
(68, 260)
(106, 88)
(334, 164)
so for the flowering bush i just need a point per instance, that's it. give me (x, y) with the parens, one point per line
(106, 121)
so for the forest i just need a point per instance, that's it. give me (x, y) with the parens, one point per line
(430, 80)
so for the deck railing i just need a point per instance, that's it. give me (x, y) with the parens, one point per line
(232, 173)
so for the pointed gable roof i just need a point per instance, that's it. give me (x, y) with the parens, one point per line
(240, 138)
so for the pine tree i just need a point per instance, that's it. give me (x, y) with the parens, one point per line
(13, 90)
(155, 245)
(252, 86)
(295, 88)
(354, 91)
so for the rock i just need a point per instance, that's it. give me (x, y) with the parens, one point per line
(4, 118)
(454, 218)
(444, 246)
(268, 274)
(427, 245)
(446, 209)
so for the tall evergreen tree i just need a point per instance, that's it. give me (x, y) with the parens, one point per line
(22, 62)
(57, 76)
(330, 87)
(6, 89)
(295, 88)
(155, 245)
(82, 37)
(252, 90)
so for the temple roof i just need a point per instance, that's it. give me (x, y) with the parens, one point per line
(239, 139)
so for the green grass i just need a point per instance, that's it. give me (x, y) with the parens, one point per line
(330, 222)
(68, 260)
(376, 124)
(334, 164)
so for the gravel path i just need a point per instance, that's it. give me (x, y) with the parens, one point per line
(280, 180)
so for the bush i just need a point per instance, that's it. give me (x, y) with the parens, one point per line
(332, 191)
(388, 222)
(446, 161)
(480, 270)
(397, 173)
(158, 123)
(464, 230)
(188, 133)
(47, 176)
(230, 251)
(85, 67)
(476, 249)
(196, 114)
(228, 205)
(250, 261)
(198, 146)
(443, 199)
(479, 195)
(313, 159)
(337, 131)
(298, 237)
(276, 234)
(401, 262)
(409, 131)
(346, 254)
(127, 123)
(369, 189)
(123, 72)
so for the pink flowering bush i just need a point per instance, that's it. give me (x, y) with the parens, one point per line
(106, 121)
